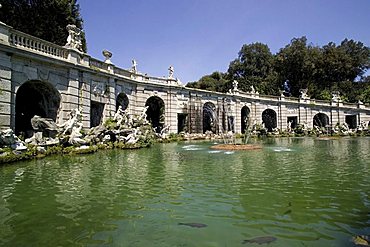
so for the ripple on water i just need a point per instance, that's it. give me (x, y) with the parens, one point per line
(192, 147)
(282, 149)
(319, 197)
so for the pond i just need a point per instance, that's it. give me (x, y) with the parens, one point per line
(293, 192)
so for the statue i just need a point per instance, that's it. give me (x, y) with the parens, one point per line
(132, 137)
(119, 116)
(74, 37)
(134, 66)
(143, 115)
(75, 137)
(336, 96)
(303, 93)
(235, 86)
(74, 118)
(8, 138)
(253, 91)
(164, 132)
(290, 126)
(170, 72)
(40, 124)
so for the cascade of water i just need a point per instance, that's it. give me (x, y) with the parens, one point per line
(248, 130)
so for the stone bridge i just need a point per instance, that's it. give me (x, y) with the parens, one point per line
(41, 78)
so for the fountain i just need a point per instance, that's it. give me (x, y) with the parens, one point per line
(229, 140)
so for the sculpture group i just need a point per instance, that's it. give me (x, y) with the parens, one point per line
(123, 128)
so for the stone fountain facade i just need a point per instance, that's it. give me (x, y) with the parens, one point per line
(36, 74)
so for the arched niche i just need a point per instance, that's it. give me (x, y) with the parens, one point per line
(269, 119)
(122, 100)
(35, 98)
(245, 112)
(209, 117)
(320, 120)
(155, 112)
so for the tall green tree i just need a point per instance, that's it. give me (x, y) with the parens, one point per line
(46, 19)
(254, 67)
(213, 82)
(296, 64)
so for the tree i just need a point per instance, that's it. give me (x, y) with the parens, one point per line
(357, 58)
(297, 64)
(213, 82)
(254, 67)
(46, 19)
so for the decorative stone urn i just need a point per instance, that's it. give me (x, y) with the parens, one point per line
(108, 55)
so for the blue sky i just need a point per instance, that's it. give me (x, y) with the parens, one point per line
(199, 37)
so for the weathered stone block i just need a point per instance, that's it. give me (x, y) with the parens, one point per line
(5, 121)
(5, 73)
(73, 91)
(5, 96)
(5, 85)
(5, 109)
(19, 77)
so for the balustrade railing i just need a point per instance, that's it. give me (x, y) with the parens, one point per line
(28, 42)
(95, 63)
(122, 72)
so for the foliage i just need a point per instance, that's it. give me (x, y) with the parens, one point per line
(254, 67)
(213, 82)
(298, 65)
(110, 124)
(44, 19)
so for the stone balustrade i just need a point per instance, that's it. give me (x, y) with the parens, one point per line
(95, 63)
(28, 42)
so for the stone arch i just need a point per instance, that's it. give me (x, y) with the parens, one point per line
(122, 100)
(320, 120)
(155, 113)
(35, 98)
(269, 119)
(209, 117)
(245, 112)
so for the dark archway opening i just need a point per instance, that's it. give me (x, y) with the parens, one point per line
(96, 113)
(34, 98)
(320, 120)
(122, 100)
(155, 112)
(351, 120)
(269, 119)
(209, 117)
(292, 121)
(245, 118)
(182, 119)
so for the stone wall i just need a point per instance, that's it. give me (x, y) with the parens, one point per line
(87, 83)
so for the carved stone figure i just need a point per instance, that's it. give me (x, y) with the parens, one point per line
(132, 137)
(335, 96)
(75, 137)
(134, 66)
(119, 116)
(253, 91)
(74, 118)
(290, 126)
(40, 124)
(74, 37)
(164, 132)
(235, 86)
(303, 93)
(142, 116)
(170, 72)
(8, 138)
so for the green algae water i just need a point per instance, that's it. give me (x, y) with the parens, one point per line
(293, 192)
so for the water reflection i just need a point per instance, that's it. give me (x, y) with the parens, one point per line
(304, 191)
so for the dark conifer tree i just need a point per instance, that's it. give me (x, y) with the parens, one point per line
(46, 19)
